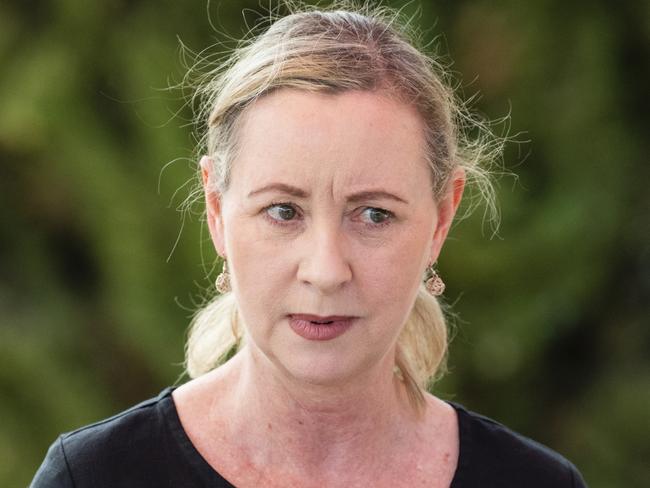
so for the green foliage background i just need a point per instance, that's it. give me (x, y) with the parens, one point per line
(95, 296)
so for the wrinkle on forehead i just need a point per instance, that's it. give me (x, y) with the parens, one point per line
(334, 144)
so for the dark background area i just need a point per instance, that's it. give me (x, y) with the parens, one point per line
(100, 270)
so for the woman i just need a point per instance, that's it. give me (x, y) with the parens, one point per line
(334, 166)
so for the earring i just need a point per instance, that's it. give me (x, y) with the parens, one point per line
(223, 280)
(434, 283)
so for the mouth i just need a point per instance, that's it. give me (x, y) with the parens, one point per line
(318, 327)
(318, 319)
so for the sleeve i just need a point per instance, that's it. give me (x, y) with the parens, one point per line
(54, 471)
(577, 480)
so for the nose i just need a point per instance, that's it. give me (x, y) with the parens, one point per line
(324, 264)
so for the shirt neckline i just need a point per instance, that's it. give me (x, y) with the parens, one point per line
(211, 475)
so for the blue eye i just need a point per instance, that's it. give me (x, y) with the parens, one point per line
(281, 212)
(377, 216)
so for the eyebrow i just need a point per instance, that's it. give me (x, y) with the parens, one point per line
(294, 191)
(299, 193)
(374, 195)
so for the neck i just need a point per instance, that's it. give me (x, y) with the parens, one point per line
(319, 427)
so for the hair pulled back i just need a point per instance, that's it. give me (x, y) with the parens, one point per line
(333, 51)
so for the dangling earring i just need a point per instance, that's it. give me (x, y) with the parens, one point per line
(223, 280)
(434, 283)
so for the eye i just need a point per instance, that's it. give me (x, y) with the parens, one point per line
(281, 212)
(377, 216)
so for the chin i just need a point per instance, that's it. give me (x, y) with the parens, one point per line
(327, 363)
(330, 368)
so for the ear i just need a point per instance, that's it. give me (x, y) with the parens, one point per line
(213, 206)
(446, 210)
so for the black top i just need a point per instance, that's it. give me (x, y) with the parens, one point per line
(146, 446)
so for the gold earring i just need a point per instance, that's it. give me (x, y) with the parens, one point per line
(223, 280)
(434, 283)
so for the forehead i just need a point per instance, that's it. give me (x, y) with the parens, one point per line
(350, 139)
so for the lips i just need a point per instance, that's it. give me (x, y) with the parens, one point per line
(319, 327)
(320, 319)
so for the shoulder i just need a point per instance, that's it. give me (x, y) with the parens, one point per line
(137, 428)
(129, 445)
(494, 455)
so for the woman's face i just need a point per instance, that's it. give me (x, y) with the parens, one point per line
(329, 212)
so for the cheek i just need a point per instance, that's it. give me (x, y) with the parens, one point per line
(260, 272)
(390, 277)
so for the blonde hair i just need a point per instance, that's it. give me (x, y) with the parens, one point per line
(333, 51)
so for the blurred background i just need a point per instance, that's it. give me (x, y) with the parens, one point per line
(100, 272)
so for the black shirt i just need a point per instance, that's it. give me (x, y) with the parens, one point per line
(146, 446)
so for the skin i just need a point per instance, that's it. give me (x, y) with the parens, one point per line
(324, 413)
